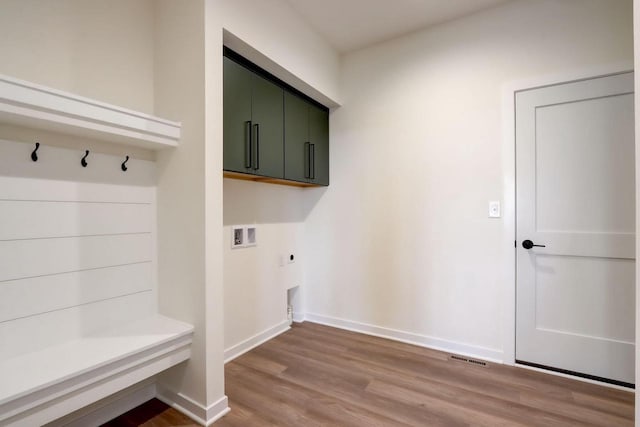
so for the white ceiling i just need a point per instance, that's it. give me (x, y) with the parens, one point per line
(352, 24)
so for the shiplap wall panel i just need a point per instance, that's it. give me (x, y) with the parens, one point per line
(77, 248)
(17, 188)
(33, 219)
(39, 257)
(63, 164)
(71, 289)
(34, 333)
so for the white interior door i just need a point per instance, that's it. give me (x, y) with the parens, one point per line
(576, 196)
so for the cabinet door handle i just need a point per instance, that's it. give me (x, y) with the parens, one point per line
(312, 162)
(307, 160)
(256, 132)
(247, 144)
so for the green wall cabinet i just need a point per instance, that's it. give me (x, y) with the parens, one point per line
(253, 123)
(306, 141)
(270, 132)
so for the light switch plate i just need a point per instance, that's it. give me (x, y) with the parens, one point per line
(494, 209)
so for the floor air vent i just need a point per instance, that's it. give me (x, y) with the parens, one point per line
(467, 360)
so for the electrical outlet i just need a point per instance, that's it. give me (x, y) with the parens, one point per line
(494, 209)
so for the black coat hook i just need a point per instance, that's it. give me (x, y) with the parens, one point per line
(83, 162)
(124, 164)
(34, 155)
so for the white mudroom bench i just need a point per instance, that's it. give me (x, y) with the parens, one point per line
(78, 288)
(39, 387)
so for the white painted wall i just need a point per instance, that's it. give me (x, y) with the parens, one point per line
(214, 298)
(189, 289)
(254, 283)
(401, 239)
(102, 50)
(636, 39)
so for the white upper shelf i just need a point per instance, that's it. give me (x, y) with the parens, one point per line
(31, 105)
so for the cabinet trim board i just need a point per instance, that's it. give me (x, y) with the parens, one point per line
(236, 57)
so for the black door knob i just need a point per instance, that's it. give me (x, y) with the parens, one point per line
(528, 244)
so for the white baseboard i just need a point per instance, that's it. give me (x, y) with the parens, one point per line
(109, 408)
(250, 343)
(194, 410)
(126, 400)
(484, 353)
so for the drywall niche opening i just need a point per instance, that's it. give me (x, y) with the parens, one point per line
(251, 235)
(294, 304)
(237, 237)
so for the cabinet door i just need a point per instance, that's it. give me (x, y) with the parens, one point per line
(319, 139)
(296, 138)
(237, 117)
(267, 113)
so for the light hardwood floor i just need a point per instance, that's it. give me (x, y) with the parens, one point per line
(315, 375)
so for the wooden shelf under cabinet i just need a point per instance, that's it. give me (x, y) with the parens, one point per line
(267, 180)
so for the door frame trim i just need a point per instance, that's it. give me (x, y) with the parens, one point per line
(509, 90)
